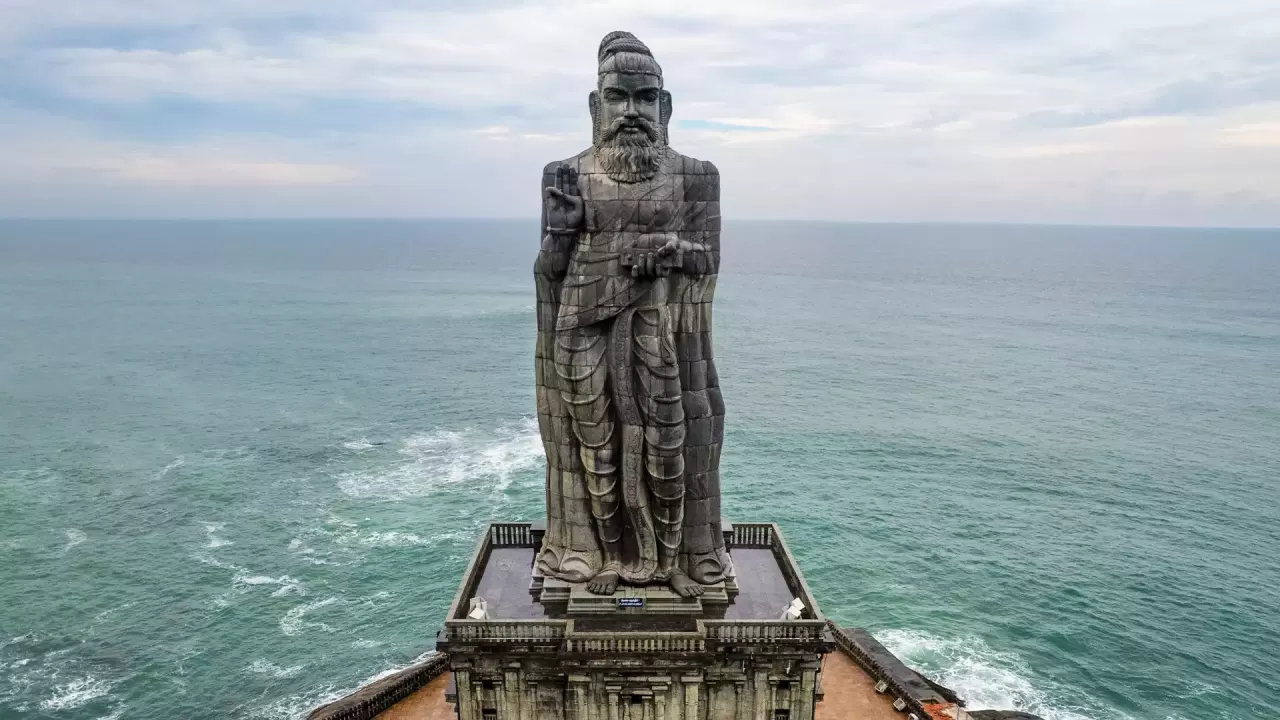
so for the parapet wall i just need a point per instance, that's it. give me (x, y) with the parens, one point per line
(370, 700)
(912, 693)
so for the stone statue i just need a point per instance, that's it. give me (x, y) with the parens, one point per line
(629, 402)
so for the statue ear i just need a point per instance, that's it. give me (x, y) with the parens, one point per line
(664, 108)
(593, 103)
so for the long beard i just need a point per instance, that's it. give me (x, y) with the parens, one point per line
(629, 157)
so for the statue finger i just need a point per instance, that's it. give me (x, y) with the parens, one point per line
(570, 181)
(635, 270)
(555, 192)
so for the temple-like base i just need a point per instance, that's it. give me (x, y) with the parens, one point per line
(552, 650)
(533, 657)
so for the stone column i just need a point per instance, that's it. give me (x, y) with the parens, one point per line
(579, 684)
(511, 693)
(803, 704)
(466, 695)
(762, 709)
(613, 702)
(691, 683)
(529, 707)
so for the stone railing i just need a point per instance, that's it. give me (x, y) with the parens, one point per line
(505, 631)
(367, 702)
(749, 632)
(560, 632)
(510, 535)
(752, 535)
(893, 673)
(621, 643)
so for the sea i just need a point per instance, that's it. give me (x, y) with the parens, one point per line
(243, 463)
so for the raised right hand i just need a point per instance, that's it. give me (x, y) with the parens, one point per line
(563, 203)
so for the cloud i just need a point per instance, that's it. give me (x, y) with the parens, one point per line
(922, 110)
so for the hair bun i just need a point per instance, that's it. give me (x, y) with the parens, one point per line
(620, 41)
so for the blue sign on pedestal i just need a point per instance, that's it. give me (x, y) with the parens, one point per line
(631, 602)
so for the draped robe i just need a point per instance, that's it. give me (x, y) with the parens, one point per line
(629, 361)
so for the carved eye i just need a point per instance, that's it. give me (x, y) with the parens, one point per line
(614, 95)
(649, 95)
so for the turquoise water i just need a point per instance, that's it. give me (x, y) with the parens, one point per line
(242, 464)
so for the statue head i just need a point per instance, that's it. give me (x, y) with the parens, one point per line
(629, 109)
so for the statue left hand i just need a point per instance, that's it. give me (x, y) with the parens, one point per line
(660, 262)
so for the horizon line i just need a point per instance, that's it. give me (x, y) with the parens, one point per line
(392, 218)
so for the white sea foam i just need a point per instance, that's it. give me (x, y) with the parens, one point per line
(74, 538)
(17, 639)
(294, 622)
(989, 679)
(76, 693)
(359, 445)
(393, 670)
(286, 583)
(171, 467)
(296, 706)
(293, 707)
(445, 458)
(265, 667)
(212, 530)
(362, 643)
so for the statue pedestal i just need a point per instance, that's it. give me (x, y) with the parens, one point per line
(551, 650)
(574, 598)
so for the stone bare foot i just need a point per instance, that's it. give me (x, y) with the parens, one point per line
(684, 587)
(604, 583)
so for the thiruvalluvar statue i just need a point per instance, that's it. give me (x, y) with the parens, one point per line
(629, 403)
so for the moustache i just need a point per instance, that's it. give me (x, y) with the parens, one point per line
(615, 131)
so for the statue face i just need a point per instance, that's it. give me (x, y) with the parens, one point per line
(632, 101)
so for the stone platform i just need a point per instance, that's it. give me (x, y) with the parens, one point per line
(534, 659)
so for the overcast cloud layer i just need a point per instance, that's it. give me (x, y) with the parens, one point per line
(1081, 111)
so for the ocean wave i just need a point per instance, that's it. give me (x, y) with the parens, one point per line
(990, 679)
(212, 529)
(292, 707)
(360, 445)
(393, 670)
(77, 693)
(266, 667)
(296, 706)
(74, 538)
(286, 583)
(294, 622)
(179, 462)
(447, 457)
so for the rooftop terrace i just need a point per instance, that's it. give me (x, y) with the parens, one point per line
(767, 579)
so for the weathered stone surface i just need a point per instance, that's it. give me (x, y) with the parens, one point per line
(628, 397)
(535, 656)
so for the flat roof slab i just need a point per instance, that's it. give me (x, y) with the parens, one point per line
(763, 592)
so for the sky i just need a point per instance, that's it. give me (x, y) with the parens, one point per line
(1144, 112)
